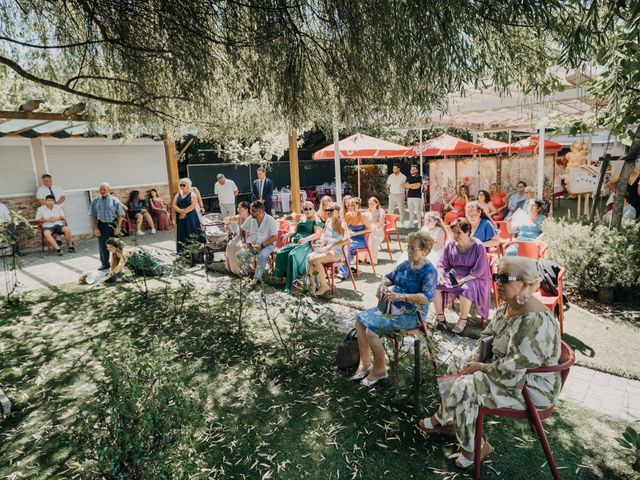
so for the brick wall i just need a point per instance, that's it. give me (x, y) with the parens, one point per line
(27, 206)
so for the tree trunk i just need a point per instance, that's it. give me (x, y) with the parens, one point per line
(621, 188)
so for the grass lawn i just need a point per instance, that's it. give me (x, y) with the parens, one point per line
(265, 417)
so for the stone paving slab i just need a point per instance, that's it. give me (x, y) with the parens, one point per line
(609, 394)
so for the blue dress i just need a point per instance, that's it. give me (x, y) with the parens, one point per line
(485, 231)
(189, 229)
(405, 280)
(526, 233)
(357, 242)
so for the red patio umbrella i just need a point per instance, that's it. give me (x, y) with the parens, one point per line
(530, 144)
(447, 145)
(495, 146)
(363, 146)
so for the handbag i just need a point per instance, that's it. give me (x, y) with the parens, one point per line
(348, 355)
(486, 349)
(384, 305)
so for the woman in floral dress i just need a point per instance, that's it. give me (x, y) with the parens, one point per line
(526, 336)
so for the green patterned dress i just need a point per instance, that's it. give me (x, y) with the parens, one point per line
(291, 259)
(524, 342)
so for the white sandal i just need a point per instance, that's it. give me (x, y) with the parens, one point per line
(360, 375)
(427, 426)
(464, 462)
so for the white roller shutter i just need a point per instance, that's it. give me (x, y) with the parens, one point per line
(80, 166)
(16, 171)
(76, 209)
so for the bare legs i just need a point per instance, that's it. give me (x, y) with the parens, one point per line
(316, 267)
(146, 216)
(369, 342)
(465, 307)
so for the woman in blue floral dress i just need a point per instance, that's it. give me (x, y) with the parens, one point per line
(413, 285)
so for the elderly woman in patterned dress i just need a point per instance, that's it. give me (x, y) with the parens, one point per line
(413, 286)
(526, 336)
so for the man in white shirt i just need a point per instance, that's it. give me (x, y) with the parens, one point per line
(258, 234)
(52, 219)
(226, 190)
(395, 186)
(48, 188)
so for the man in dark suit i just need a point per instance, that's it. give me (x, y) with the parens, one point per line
(262, 190)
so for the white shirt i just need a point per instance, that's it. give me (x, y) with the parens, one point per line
(225, 192)
(43, 191)
(259, 234)
(44, 212)
(396, 183)
(5, 214)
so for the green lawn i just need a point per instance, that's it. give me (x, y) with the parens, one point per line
(266, 417)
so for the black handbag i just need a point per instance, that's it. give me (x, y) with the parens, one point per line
(348, 355)
(486, 349)
(384, 305)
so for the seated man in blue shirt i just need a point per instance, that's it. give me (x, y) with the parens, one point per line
(517, 200)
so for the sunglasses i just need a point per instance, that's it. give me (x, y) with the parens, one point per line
(504, 278)
(330, 210)
(183, 184)
(308, 209)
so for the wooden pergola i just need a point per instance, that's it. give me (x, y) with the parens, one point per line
(28, 122)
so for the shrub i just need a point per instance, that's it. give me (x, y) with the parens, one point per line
(143, 420)
(595, 255)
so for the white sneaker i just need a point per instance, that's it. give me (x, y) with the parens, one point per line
(140, 233)
(153, 230)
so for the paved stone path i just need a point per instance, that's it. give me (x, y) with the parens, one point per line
(616, 396)
(602, 392)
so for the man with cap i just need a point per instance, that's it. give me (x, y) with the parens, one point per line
(226, 190)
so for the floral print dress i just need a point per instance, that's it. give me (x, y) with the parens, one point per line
(527, 341)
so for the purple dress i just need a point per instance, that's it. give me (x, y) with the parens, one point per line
(472, 262)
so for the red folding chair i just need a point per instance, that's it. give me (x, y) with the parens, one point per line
(390, 227)
(312, 196)
(437, 207)
(56, 237)
(532, 250)
(330, 270)
(552, 301)
(284, 227)
(532, 414)
(366, 250)
(504, 234)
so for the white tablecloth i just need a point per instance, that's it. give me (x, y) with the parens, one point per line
(285, 200)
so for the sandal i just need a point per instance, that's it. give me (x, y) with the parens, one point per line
(463, 462)
(458, 330)
(427, 425)
(361, 374)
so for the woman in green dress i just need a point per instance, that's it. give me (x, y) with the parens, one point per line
(291, 259)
